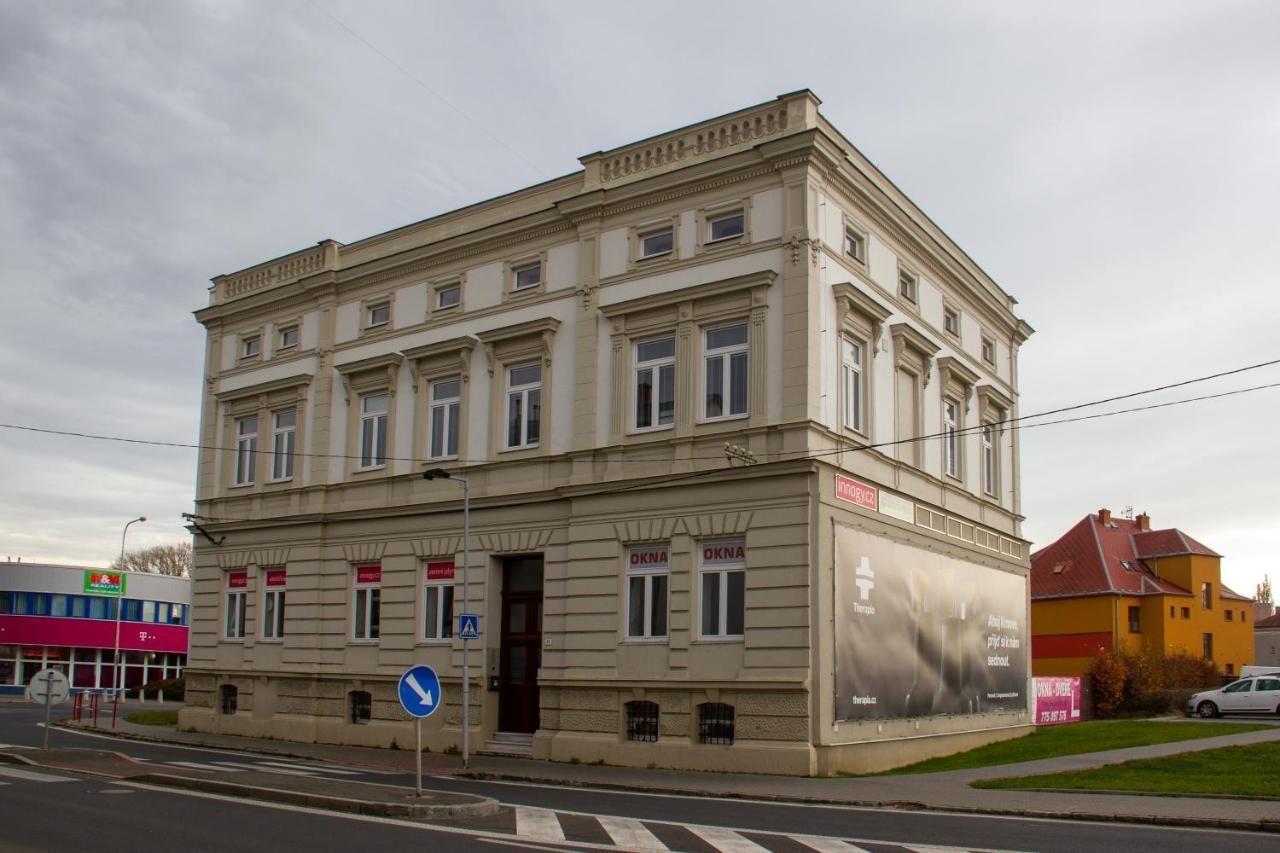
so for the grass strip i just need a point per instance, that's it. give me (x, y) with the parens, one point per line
(153, 718)
(1075, 739)
(1233, 771)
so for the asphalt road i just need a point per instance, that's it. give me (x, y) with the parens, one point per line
(69, 815)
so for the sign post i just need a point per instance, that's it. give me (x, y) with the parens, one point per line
(419, 693)
(48, 686)
(99, 582)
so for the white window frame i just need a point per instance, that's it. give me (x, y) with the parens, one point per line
(371, 313)
(721, 216)
(272, 611)
(654, 367)
(853, 380)
(951, 426)
(909, 285)
(285, 331)
(725, 354)
(721, 571)
(284, 441)
(246, 451)
(855, 244)
(441, 290)
(363, 597)
(949, 311)
(235, 601)
(647, 574)
(444, 620)
(988, 344)
(643, 239)
(990, 459)
(516, 269)
(251, 346)
(522, 392)
(369, 424)
(449, 439)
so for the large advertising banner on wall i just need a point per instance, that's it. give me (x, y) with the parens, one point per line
(920, 633)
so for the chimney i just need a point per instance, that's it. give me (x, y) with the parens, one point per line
(1144, 521)
(1104, 516)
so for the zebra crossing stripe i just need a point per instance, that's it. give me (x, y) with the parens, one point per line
(630, 834)
(196, 765)
(538, 823)
(827, 845)
(262, 769)
(309, 768)
(29, 776)
(726, 840)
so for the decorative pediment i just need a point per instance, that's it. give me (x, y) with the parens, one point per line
(860, 311)
(377, 371)
(749, 282)
(991, 397)
(534, 338)
(956, 376)
(272, 386)
(913, 350)
(455, 353)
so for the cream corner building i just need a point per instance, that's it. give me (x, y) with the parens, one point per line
(675, 379)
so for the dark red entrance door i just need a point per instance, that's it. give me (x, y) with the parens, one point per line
(521, 644)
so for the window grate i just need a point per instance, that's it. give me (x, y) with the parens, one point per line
(229, 695)
(360, 703)
(642, 721)
(715, 723)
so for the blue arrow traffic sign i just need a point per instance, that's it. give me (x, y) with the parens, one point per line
(420, 691)
(468, 626)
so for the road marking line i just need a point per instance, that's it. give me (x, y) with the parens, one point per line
(827, 845)
(262, 769)
(630, 834)
(310, 768)
(15, 773)
(196, 765)
(538, 823)
(726, 840)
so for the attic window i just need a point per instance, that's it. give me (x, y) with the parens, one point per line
(1127, 566)
(1057, 570)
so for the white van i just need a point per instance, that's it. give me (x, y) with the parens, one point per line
(1254, 695)
(1246, 671)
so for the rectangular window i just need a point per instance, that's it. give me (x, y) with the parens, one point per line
(366, 603)
(446, 407)
(526, 276)
(657, 244)
(726, 226)
(373, 429)
(437, 598)
(726, 372)
(380, 314)
(722, 567)
(250, 346)
(1229, 615)
(855, 245)
(1186, 613)
(273, 604)
(360, 706)
(237, 586)
(1135, 620)
(908, 286)
(1206, 595)
(988, 351)
(951, 321)
(853, 384)
(655, 383)
(1206, 650)
(246, 450)
(990, 460)
(284, 426)
(449, 296)
(524, 405)
(288, 337)
(951, 438)
(648, 575)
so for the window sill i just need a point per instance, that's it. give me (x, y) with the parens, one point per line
(719, 419)
(720, 241)
(274, 641)
(517, 293)
(646, 641)
(651, 430)
(369, 469)
(519, 447)
(248, 485)
(728, 638)
(358, 641)
(434, 460)
(435, 642)
(279, 482)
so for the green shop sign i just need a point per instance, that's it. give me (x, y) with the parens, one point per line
(99, 582)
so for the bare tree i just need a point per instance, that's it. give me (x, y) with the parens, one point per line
(172, 559)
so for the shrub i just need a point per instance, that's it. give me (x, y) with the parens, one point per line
(1108, 674)
(1186, 672)
(174, 689)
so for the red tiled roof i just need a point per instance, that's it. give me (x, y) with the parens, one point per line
(1092, 558)
(1272, 621)
(1226, 592)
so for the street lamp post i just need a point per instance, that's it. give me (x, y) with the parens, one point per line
(119, 673)
(466, 602)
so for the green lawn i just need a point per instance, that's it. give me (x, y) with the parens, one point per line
(153, 718)
(1240, 771)
(1075, 738)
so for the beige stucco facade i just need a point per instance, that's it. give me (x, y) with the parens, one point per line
(748, 266)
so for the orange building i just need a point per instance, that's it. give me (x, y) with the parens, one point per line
(1114, 583)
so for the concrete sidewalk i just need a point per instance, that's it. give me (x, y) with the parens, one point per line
(949, 791)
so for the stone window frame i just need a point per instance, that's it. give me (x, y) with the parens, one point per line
(987, 338)
(434, 289)
(433, 363)
(509, 291)
(861, 318)
(271, 451)
(699, 570)
(687, 314)
(704, 215)
(366, 310)
(994, 409)
(956, 383)
(278, 328)
(635, 242)
(359, 379)
(353, 586)
(265, 629)
(862, 234)
(445, 627)
(627, 574)
(261, 400)
(907, 272)
(242, 607)
(512, 346)
(633, 379)
(950, 306)
(242, 339)
(912, 353)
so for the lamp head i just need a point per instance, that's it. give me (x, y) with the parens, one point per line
(432, 473)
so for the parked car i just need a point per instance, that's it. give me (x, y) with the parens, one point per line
(1254, 695)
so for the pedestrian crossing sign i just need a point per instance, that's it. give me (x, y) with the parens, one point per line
(469, 626)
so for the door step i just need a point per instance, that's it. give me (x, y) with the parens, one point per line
(512, 744)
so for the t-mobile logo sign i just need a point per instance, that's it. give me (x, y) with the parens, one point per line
(863, 580)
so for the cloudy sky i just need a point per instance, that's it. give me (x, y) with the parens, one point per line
(1114, 166)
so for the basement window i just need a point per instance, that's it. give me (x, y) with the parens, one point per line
(642, 721)
(359, 706)
(228, 695)
(715, 723)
